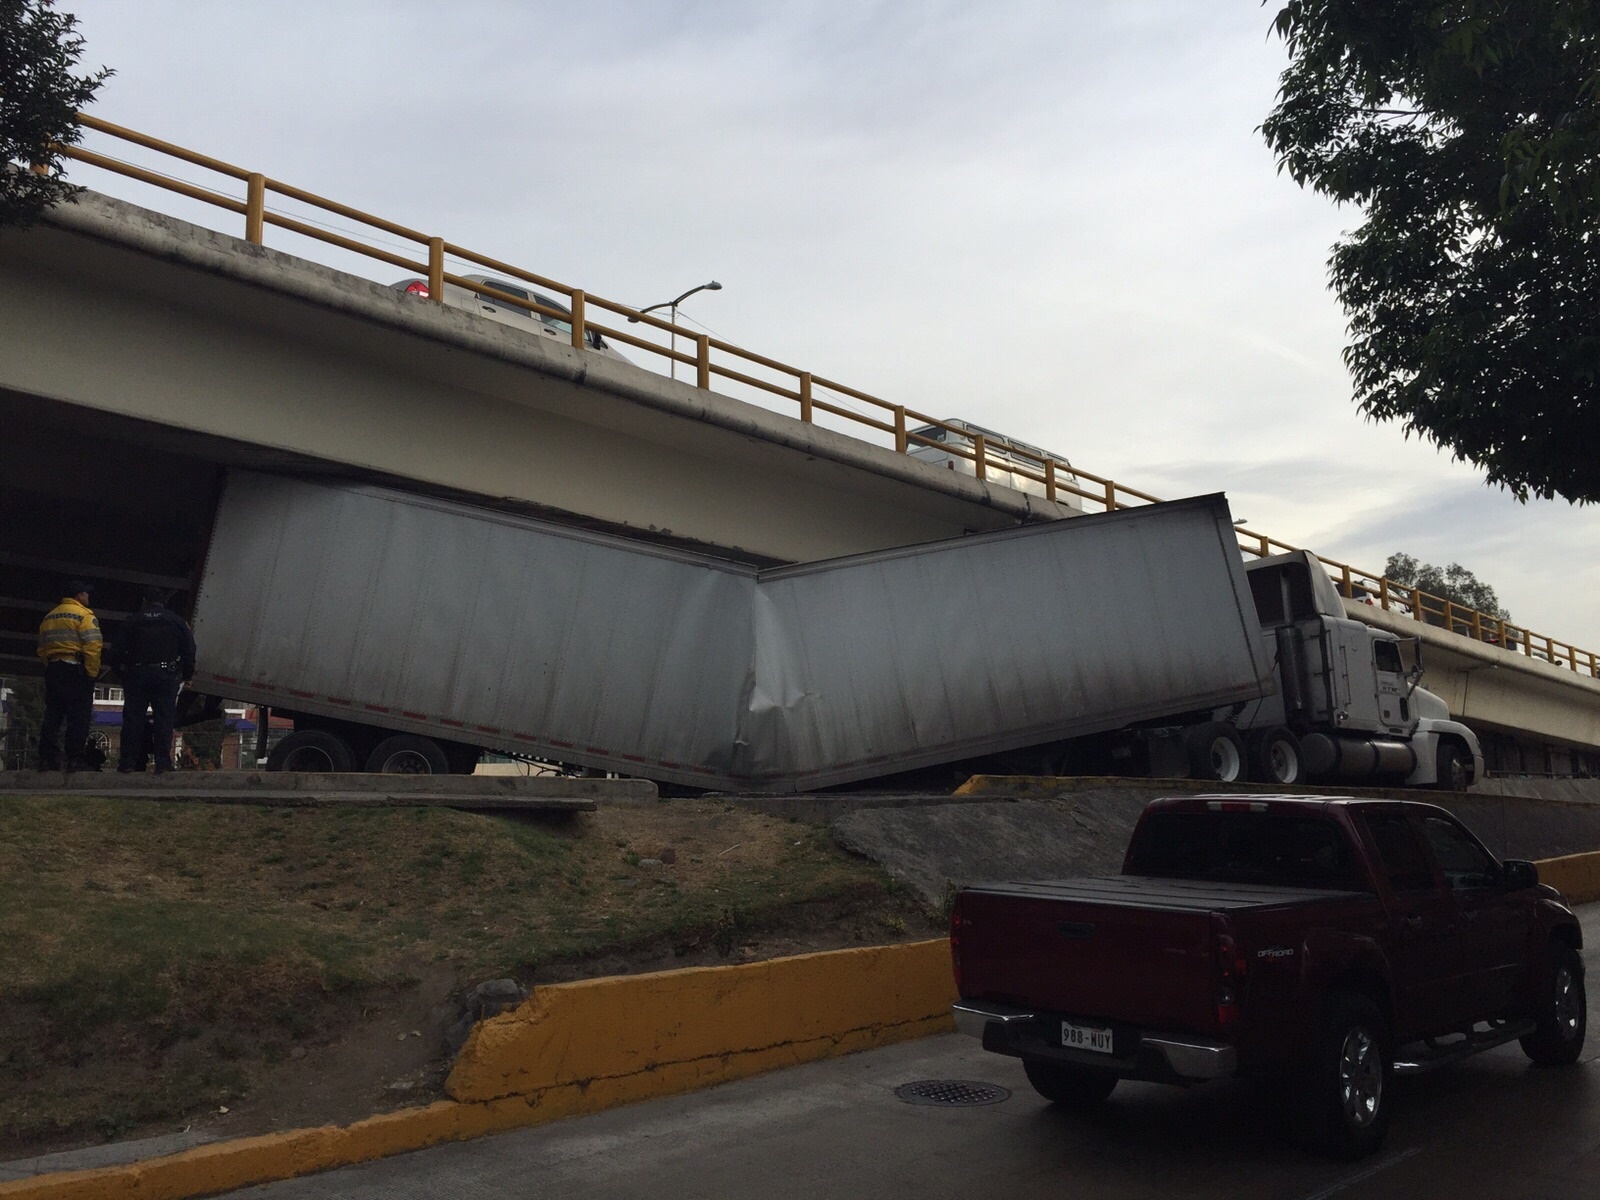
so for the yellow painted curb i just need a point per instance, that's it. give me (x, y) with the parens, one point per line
(1575, 876)
(707, 1023)
(580, 1048)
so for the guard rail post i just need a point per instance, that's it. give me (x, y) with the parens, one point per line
(578, 332)
(255, 208)
(436, 270)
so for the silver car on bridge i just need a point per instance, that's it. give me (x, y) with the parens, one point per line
(557, 328)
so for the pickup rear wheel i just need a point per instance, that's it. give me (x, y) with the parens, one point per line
(1068, 1085)
(1348, 1085)
(1563, 1012)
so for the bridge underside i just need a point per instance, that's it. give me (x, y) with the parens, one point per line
(126, 503)
(123, 312)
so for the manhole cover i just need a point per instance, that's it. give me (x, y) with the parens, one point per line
(951, 1093)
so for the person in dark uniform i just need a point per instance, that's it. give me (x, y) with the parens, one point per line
(70, 645)
(153, 655)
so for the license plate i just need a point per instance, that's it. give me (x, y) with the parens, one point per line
(1096, 1038)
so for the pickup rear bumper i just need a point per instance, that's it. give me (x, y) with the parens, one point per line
(1157, 1057)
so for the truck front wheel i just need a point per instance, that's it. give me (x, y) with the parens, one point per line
(1455, 768)
(1563, 1012)
(1347, 1090)
(1067, 1085)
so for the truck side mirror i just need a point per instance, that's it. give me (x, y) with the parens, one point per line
(1518, 874)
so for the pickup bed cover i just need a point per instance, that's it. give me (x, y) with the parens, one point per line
(1181, 895)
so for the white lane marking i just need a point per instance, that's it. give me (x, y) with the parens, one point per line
(1339, 1185)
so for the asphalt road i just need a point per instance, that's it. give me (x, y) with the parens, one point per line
(1491, 1126)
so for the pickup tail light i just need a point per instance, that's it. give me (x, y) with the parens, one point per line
(956, 922)
(417, 288)
(1230, 974)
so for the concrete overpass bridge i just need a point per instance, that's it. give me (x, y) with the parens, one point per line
(143, 355)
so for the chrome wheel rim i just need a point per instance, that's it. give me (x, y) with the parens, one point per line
(1360, 1077)
(1569, 1003)
(1283, 762)
(1225, 760)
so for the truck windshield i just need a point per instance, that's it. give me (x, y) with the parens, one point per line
(1244, 847)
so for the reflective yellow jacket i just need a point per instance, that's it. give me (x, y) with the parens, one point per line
(71, 631)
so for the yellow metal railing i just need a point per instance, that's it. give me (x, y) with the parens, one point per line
(713, 358)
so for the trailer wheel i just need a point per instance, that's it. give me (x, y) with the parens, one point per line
(1275, 757)
(407, 754)
(1069, 1086)
(1455, 768)
(312, 750)
(1215, 750)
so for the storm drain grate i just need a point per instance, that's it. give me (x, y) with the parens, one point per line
(951, 1093)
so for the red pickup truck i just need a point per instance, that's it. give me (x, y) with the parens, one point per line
(1328, 942)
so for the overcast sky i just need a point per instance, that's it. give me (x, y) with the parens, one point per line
(1052, 218)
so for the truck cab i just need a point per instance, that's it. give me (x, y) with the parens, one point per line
(1350, 691)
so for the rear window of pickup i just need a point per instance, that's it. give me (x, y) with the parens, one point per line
(1245, 847)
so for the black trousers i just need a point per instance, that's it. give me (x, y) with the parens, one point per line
(69, 701)
(152, 689)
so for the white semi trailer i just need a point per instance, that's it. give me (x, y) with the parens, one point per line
(402, 632)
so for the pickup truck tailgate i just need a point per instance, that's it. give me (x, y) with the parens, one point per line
(1118, 948)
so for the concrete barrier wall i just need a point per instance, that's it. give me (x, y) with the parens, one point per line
(1515, 818)
(1575, 876)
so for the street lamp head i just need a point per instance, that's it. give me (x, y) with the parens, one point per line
(713, 286)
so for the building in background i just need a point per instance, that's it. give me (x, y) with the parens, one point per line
(229, 742)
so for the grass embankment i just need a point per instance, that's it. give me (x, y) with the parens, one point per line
(160, 959)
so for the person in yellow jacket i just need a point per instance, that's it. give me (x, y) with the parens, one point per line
(69, 643)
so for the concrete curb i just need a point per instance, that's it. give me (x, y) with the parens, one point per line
(210, 784)
(581, 1048)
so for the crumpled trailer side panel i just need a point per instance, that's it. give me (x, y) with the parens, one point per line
(434, 617)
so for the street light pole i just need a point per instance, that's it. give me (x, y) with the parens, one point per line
(713, 286)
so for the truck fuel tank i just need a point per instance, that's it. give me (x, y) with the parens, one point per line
(1354, 758)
